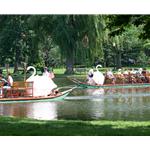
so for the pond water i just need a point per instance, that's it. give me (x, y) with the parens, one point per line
(87, 104)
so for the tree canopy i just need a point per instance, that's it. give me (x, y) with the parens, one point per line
(68, 40)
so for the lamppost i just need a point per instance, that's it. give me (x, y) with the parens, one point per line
(114, 44)
(114, 48)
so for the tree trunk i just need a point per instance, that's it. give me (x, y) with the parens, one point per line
(119, 60)
(16, 67)
(115, 61)
(69, 65)
(7, 68)
(16, 61)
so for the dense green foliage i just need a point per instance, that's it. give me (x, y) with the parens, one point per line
(71, 40)
(30, 127)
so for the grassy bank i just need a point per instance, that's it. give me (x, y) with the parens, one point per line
(16, 126)
(59, 72)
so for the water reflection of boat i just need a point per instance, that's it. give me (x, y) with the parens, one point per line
(13, 110)
(113, 104)
(42, 111)
(95, 92)
(88, 105)
(81, 109)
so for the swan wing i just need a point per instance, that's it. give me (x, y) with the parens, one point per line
(42, 86)
(98, 77)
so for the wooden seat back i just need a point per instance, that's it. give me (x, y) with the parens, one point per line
(23, 88)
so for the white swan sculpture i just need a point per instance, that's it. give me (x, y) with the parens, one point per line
(98, 77)
(42, 85)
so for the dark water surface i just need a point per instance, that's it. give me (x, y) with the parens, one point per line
(87, 104)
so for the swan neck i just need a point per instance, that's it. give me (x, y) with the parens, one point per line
(34, 72)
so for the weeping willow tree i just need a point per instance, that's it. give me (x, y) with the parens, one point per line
(96, 35)
(78, 36)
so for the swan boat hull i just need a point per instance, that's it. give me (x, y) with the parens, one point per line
(106, 86)
(36, 99)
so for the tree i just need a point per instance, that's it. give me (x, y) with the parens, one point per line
(12, 39)
(75, 35)
(125, 32)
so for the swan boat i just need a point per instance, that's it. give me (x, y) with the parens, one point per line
(19, 95)
(34, 89)
(107, 86)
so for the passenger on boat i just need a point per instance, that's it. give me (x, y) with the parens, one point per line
(48, 73)
(119, 73)
(45, 73)
(126, 76)
(5, 86)
(110, 76)
(1, 85)
(132, 76)
(133, 71)
(126, 73)
(140, 70)
(145, 76)
(10, 79)
(54, 92)
(139, 76)
(51, 74)
(120, 77)
(90, 77)
(4, 82)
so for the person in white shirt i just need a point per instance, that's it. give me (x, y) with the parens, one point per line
(48, 73)
(45, 73)
(10, 80)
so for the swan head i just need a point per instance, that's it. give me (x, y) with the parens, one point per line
(30, 67)
(34, 70)
(91, 71)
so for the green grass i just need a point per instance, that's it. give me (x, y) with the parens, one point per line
(59, 70)
(23, 127)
